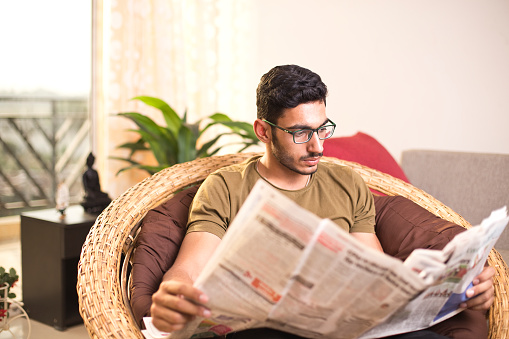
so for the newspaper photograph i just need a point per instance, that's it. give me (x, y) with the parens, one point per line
(281, 266)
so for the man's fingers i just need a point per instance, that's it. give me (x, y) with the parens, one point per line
(187, 291)
(487, 274)
(480, 303)
(175, 304)
(482, 296)
(168, 320)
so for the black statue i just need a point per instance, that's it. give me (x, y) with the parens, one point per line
(95, 200)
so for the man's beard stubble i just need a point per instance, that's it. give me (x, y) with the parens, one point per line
(286, 159)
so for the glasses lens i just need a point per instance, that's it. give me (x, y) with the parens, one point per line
(326, 132)
(302, 136)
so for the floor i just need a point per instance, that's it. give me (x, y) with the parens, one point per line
(10, 256)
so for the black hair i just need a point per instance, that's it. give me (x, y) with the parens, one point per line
(287, 86)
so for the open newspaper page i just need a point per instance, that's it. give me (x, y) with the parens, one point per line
(450, 271)
(283, 267)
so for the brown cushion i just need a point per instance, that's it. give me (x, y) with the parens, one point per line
(157, 246)
(401, 226)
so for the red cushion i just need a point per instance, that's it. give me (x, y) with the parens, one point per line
(365, 150)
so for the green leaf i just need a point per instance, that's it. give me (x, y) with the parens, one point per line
(149, 169)
(247, 145)
(220, 117)
(242, 128)
(139, 145)
(144, 123)
(186, 145)
(171, 117)
(203, 151)
(195, 128)
(176, 142)
(134, 164)
(184, 119)
(129, 160)
(136, 146)
(165, 149)
(11, 295)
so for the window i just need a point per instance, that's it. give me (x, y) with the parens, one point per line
(44, 98)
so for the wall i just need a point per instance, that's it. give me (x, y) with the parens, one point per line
(414, 74)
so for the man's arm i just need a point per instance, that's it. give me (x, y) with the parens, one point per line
(368, 239)
(175, 303)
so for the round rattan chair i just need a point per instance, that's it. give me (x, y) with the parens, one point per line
(102, 271)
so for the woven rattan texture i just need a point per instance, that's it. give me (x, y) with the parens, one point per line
(103, 306)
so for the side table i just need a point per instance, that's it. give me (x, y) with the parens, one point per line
(50, 251)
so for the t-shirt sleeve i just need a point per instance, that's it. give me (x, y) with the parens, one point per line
(364, 213)
(210, 209)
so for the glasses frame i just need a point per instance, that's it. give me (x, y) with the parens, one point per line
(332, 124)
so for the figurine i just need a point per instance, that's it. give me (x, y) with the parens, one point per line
(95, 200)
(62, 199)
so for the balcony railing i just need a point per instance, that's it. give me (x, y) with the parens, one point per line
(43, 141)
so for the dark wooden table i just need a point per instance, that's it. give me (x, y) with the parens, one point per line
(50, 251)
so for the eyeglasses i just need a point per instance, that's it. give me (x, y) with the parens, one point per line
(302, 136)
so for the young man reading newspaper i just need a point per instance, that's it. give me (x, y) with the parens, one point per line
(293, 125)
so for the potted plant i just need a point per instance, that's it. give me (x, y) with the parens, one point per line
(7, 280)
(7, 302)
(178, 141)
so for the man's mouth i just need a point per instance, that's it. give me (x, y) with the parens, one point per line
(312, 160)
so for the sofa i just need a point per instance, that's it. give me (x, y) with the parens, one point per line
(472, 184)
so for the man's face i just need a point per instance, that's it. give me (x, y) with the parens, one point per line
(299, 158)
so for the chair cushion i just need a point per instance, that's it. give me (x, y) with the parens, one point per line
(401, 226)
(157, 246)
(365, 150)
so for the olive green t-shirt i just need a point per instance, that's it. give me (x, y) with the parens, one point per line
(334, 192)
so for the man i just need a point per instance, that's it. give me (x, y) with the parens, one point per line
(292, 123)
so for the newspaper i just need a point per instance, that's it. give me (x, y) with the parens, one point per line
(281, 266)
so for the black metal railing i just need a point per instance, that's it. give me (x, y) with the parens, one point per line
(44, 141)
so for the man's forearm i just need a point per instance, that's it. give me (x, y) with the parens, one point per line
(177, 274)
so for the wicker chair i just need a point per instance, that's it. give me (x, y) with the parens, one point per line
(103, 275)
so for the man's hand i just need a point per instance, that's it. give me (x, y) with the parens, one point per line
(175, 304)
(482, 294)
(176, 301)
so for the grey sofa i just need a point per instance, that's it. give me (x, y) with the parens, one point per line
(472, 184)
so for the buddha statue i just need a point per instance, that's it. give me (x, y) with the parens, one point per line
(95, 199)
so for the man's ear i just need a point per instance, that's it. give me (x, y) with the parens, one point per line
(262, 131)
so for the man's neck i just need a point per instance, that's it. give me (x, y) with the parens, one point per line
(281, 176)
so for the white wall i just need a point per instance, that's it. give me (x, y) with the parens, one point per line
(431, 74)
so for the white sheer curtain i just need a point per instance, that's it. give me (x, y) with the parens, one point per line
(194, 54)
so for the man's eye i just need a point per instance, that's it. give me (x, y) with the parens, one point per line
(301, 133)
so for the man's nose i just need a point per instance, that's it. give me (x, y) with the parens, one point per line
(315, 145)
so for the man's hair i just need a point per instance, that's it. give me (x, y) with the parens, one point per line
(287, 87)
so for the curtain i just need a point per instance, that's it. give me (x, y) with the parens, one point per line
(194, 54)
